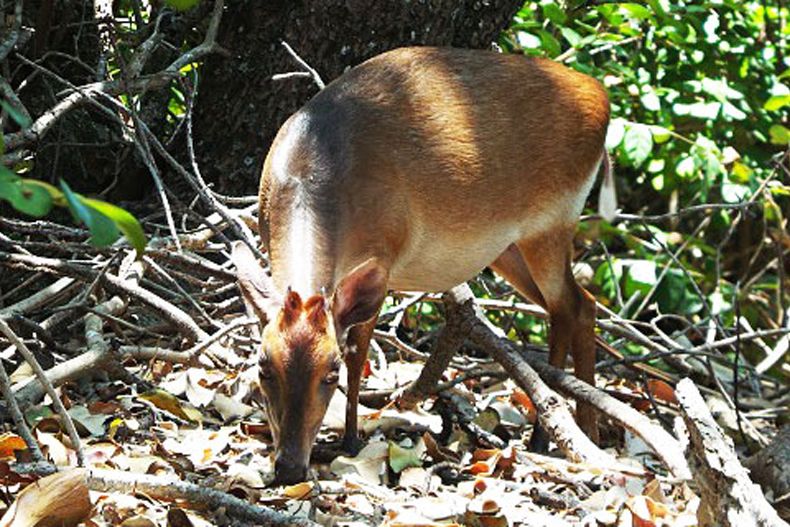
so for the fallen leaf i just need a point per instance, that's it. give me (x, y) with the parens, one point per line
(662, 391)
(299, 491)
(92, 424)
(178, 518)
(370, 464)
(168, 402)
(59, 500)
(55, 449)
(10, 442)
(401, 458)
(107, 408)
(138, 521)
(522, 400)
(437, 452)
(418, 479)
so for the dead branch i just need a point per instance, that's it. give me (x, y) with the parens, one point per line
(729, 498)
(169, 489)
(41, 376)
(552, 411)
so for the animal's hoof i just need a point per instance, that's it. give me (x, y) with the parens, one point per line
(352, 445)
(539, 442)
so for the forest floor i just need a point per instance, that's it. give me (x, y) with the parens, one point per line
(154, 363)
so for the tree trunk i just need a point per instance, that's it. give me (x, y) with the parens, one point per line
(239, 108)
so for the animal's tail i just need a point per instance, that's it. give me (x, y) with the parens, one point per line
(607, 197)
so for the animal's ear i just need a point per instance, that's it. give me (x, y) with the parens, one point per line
(316, 312)
(256, 286)
(359, 295)
(292, 308)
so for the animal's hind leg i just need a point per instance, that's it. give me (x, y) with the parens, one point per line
(571, 311)
(511, 266)
(547, 261)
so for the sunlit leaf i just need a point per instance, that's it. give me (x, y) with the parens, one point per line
(636, 10)
(780, 135)
(105, 221)
(127, 223)
(641, 277)
(660, 134)
(777, 102)
(638, 143)
(25, 195)
(573, 38)
(615, 133)
(103, 230)
(651, 101)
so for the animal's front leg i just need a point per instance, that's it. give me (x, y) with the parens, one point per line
(356, 353)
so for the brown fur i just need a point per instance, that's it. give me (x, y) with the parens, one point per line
(417, 169)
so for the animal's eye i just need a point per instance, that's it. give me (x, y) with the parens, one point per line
(334, 375)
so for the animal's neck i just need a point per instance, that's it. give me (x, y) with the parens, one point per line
(307, 263)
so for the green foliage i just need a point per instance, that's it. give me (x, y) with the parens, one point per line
(36, 198)
(182, 5)
(700, 105)
(694, 85)
(105, 221)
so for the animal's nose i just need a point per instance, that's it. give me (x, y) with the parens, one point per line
(288, 472)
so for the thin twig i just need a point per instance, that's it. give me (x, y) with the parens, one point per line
(42, 378)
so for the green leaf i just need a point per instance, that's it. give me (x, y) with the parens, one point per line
(779, 134)
(608, 276)
(553, 12)
(641, 277)
(573, 38)
(25, 195)
(550, 44)
(777, 102)
(401, 458)
(638, 143)
(22, 120)
(637, 11)
(660, 134)
(675, 295)
(103, 230)
(182, 5)
(104, 220)
(615, 133)
(127, 223)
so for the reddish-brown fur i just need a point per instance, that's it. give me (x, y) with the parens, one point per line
(415, 170)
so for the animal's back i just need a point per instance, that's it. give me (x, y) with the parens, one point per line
(438, 159)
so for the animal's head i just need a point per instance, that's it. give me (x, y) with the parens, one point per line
(302, 343)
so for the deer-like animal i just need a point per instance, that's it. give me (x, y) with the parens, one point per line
(414, 171)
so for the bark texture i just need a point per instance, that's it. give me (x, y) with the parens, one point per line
(239, 108)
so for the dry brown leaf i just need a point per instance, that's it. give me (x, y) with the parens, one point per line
(59, 500)
(10, 442)
(138, 521)
(168, 402)
(662, 391)
(522, 400)
(437, 452)
(299, 491)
